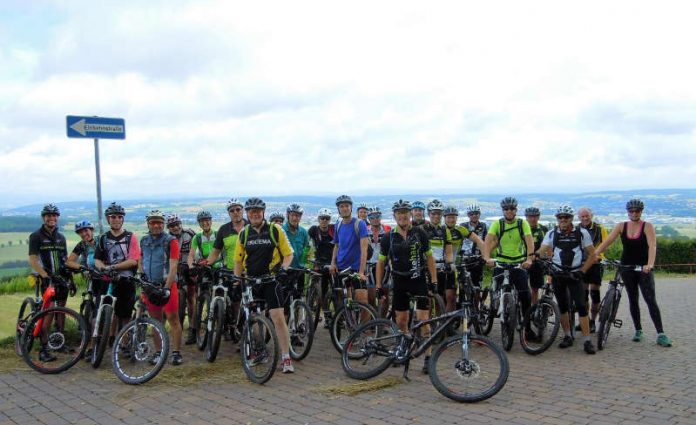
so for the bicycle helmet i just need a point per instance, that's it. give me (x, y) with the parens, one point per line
(435, 205)
(50, 209)
(114, 209)
(158, 296)
(473, 209)
(401, 205)
(508, 202)
(234, 202)
(450, 210)
(532, 211)
(294, 208)
(173, 219)
(204, 215)
(635, 204)
(363, 206)
(565, 210)
(374, 212)
(418, 205)
(254, 204)
(276, 215)
(84, 224)
(324, 212)
(344, 199)
(154, 215)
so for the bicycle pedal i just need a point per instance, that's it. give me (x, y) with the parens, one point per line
(618, 323)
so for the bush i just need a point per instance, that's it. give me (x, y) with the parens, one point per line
(22, 284)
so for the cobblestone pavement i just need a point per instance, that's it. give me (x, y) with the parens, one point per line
(628, 382)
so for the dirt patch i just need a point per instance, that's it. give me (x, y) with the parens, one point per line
(361, 387)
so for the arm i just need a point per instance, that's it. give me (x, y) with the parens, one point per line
(333, 268)
(174, 253)
(478, 241)
(191, 256)
(529, 241)
(36, 266)
(615, 232)
(449, 256)
(591, 259)
(364, 242)
(652, 247)
(72, 261)
(490, 244)
(379, 273)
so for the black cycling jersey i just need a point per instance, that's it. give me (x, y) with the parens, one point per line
(51, 249)
(323, 243)
(407, 256)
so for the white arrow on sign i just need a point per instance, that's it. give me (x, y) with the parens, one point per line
(79, 127)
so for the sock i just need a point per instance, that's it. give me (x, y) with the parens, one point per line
(285, 356)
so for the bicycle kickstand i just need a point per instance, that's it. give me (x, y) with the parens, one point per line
(406, 365)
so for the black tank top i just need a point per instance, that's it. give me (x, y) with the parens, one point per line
(635, 251)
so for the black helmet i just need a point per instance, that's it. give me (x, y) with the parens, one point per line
(450, 210)
(254, 203)
(532, 211)
(634, 204)
(114, 209)
(343, 199)
(50, 209)
(204, 215)
(157, 295)
(508, 202)
(401, 205)
(294, 208)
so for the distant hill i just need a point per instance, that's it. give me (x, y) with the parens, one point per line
(19, 223)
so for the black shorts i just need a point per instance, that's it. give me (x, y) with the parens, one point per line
(536, 276)
(404, 287)
(60, 288)
(594, 274)
(273, 293)
(124, 291)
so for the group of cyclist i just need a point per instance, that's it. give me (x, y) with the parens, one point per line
(419, 254)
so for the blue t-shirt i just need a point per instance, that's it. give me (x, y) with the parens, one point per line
(299, 242)
(349, 244)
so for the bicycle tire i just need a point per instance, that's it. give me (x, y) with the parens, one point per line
(67, 345)
(301, 330)
(86, 310)
(346, 321)
(135, 347)
(605, 319)
(545, 313)
(482, 358)
(215, 330)
(26, 311)
(377, 339)
(507, 331)
(182, 304)
(102, 338)
(202, 312)
(257, 334)
(314, 297)
(487, 314)
(437, 308)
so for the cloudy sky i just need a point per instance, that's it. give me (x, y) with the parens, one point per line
(229, 98)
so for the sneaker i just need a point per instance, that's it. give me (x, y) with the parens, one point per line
(566, 342)
(154, 359)
(191, 337)
(664, 341)
(45, 356)
(287, 366)
(593, 327)
(638, 337)
(426, 362)
(589, 348)
(176, 358)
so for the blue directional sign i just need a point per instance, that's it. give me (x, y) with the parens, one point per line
(96, 127)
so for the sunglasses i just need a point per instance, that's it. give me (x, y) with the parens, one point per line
(114, 216)
(324, 218)
(634, 211)
(474, 213)
(564, 217)
(171, 226)
(509, 209)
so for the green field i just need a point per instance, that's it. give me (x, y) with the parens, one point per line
(15, 271)
(9, 307)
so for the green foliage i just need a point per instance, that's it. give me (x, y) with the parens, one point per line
(19, 224)
(23, 284)
(676, 251)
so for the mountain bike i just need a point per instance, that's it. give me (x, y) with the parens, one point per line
(142, 346)
(465, 368)
(203, 277)
(349, 313)
(183, 280)
(610, 303)
(104, 317)
(545, 316)
(505, 301)
(471, 293)
(218, 307)
(50, 339)
(316, 298)
(298, 316)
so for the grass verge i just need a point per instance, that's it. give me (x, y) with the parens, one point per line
(361, 387)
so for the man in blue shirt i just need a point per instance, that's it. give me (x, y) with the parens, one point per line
(351, 240)
(299, 240)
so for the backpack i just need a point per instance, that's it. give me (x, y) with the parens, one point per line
(356, 226)
(101, 244)
(502, 230)
(576, 230)
(273, 232)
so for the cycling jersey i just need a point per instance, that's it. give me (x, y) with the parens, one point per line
(262, 253)
(50, 248)
(538, 234)
(481, 229)
(598, 233)
(348, 243)
(459, 234)
(112, 250)
(225, 242)
(204, 244)
(322, 242)
(85, 253)
(184, 239)
(299, 240)
(635, 249)
(511, 246)
(375, 238)
(568, 247)
(406, 256)
(439, 237)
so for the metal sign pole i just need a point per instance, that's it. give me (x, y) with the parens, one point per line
(99, 198)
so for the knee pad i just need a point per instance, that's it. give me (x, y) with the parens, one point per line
(594, 295)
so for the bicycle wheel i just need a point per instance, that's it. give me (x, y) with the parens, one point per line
(437, 308)
(55, 339)
(301, 330)
(371, 349)
(544, 321)
(202, 312)
(134, 354)
(468, 368)
(102, 338)
(605, 318)
(507, 331)
(487, 312)
(26, 310)
(347, 320)
(260, 351)
(182, 304)
(86, 311)
(314, 297)
(217, 325)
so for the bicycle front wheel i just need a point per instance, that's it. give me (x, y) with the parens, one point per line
(544, 323)
(215, 330)
(54, 340)
(347, 320)
(140, 350)
(202, 312)
(371, 349)
(605, 318)
(314, 297)
(468, 368)
(507, 331)
(102, 338)
(301, 329)
(260, 350)
(86, 311)
(25, 311)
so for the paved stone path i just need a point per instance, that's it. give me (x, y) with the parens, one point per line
(626, 383)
